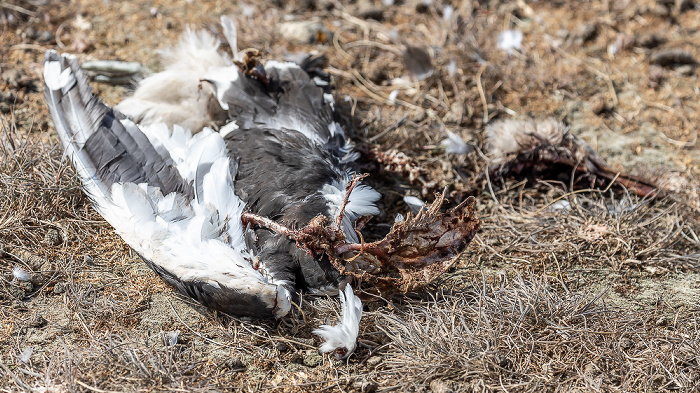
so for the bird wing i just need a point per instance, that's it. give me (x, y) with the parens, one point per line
(168, 194)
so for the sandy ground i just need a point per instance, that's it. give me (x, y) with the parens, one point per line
(603, 296)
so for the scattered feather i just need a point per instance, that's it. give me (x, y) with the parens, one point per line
(247, 10)
(447, 12)
(393, 95)
(454, 144)
(20, 274)
(26, 354)
(171, 338)
(560, 206)
(414, 203)
(510, 40)
(81, 23)
(451, 68)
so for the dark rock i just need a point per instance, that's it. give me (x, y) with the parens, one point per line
(588, 32)
(375, 13)
(60, 287)
(37, 321)
(282, 347)
(52, 238)
(650, 41)
(673, 57)
(235, 364)
(37, 279)
(417, 61)
(296, 358)
(374, 361)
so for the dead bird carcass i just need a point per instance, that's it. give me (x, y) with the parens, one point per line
(246, 217)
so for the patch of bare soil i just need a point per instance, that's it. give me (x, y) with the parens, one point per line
(561, 290)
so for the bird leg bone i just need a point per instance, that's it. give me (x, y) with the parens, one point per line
(414, 252)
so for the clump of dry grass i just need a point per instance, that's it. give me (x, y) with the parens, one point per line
(521, 334)
(550, 229)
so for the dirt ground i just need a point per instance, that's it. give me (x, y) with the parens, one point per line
(603, 295)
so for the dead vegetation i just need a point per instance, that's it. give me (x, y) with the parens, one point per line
(562, 289)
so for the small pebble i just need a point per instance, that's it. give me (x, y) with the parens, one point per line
(60, 287)
(296, 358)
(52, 238)
(312, 358)
(282, 347)
(305, 32)
(20, 289)
(626, 343)
(235, 364)
(374, 361)
(438, 386)
(37, 279)
(365, 386)
(37, 321)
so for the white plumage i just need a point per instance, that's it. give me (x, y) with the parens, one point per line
(342, 337)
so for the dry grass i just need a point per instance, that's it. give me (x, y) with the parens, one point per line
(601, 295)
(527, 335)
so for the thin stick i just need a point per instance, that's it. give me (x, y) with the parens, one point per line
(17, 8)
(482, 94)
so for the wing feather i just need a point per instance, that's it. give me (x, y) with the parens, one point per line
(187, 228)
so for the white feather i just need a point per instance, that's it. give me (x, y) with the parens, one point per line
(360, 203)
(509, 40)
(414, 203)
(231, 34)
(55, 78)
(20, 274)
(344, 334)
(454, 144)
(173, 96)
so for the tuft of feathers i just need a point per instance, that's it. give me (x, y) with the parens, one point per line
(342, 338)
(508, 137)
(175, 95)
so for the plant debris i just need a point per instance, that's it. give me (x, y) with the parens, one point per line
(416, 251)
